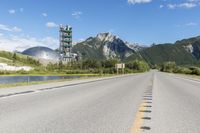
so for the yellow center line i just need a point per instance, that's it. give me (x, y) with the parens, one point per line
(138, 122)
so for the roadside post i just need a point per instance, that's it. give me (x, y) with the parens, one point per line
(120, 66)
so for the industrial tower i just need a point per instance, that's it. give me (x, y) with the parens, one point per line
(65, 43)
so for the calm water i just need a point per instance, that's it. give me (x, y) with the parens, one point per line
(17, 79)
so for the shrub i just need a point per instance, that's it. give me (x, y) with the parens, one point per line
(182, 70)
(22, 72)
(168, 67)
(136, 65)
(196, 71)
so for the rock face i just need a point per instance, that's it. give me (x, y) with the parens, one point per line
(106, 37)
(106, 45)
(189, 48)
(135, 46)
(114, 47)
(191, 45)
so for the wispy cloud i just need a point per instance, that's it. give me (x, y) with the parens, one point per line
(14, 11)
(188, 4)
(193, 0)
(44, 14)
(51, 25)
(9, 28)
(192, 24)
(11, 11)
(77, 14)
(139, 1)
(16, 29)
(171, 6)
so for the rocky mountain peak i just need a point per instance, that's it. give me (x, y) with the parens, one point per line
(106, 37)
(135, 46)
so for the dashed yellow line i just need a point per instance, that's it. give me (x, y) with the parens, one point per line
(138, 122)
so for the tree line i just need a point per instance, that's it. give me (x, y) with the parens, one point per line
(86, 66)
(171, 67)
(96, 66)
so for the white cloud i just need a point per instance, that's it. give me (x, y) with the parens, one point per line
(78, 41)
(171, 6)
(50, 42)
(11, 11)
(139, 1)
(51, 25)
(21, 43)
(193, 0)
(192, 24)
(187, 5)
(9, 28)
(16, 29)
(77, 14)
(44, 14)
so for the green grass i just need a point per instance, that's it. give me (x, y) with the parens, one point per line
(18, 59)
(50, 74)
(53, 81)
(189, 75)
(5, 60)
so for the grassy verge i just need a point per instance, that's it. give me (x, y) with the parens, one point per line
(53, 81)
(188, 75)
(50, 74)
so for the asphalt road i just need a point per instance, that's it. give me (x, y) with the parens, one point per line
(151, 102)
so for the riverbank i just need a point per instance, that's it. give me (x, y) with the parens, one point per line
(49, 74)
(81, 77)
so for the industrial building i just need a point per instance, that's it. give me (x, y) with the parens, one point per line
(66, 43)
(64, 52)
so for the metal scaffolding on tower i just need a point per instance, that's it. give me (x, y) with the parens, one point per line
(65, 43)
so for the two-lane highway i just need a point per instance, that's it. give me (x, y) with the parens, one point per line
(176, 105)
(107, 106)
(151, 102)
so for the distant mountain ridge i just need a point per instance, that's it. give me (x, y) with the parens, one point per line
(183, 52)
(108, 46)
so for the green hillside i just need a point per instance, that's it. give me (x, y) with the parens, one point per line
(17, 59)
(184, 52)
(168, 52)
(90, 49)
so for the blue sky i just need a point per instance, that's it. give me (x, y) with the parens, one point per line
(26, 23)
